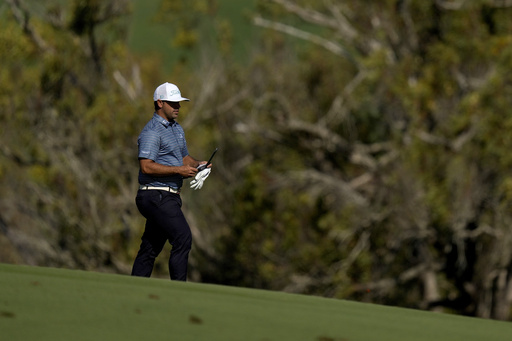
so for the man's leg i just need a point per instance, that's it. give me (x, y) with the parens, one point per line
(179, 235)
(181, 245)
(152, 244)
(154, 238)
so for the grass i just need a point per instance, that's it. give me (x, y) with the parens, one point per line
(58, 304)
(146, 36)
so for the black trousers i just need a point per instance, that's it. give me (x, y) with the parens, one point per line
(164, 222)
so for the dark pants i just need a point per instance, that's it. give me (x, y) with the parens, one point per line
(164, 221)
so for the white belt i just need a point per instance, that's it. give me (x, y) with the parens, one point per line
(168, 189)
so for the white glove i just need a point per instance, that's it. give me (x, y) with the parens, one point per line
(201, 176)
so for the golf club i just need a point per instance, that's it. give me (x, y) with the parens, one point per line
(203, 166)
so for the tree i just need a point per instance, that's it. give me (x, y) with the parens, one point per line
(67, 162)
(375, 170)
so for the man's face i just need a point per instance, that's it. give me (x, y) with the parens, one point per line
(170, 110)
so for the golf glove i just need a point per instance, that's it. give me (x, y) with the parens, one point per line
(198, 181)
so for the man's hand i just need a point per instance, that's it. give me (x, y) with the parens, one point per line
(187, 171)
(203, 165)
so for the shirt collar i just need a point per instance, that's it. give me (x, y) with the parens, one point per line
(162, 120)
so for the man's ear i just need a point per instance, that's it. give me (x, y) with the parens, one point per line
(159, 103)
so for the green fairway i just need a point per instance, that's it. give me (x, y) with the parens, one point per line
(56, 304)
(147, 36)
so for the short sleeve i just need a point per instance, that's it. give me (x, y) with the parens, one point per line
(149, 144)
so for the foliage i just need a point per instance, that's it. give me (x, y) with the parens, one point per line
(401, 141)
(67, 126)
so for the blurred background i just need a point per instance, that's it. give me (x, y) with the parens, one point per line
(364, 146)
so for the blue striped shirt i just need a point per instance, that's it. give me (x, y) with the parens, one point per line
(163, 142)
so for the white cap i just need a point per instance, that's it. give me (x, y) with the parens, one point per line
(168, 92)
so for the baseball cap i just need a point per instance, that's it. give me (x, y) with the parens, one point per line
(168, 92)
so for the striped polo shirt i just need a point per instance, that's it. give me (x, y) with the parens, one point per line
(163, 142)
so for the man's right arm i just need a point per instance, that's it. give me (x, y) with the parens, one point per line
(150, 167)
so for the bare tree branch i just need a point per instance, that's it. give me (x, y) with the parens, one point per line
(309, 15)
(388, 284)
(501, 3)
(344, 27)
(451, 4)
(337, 112)
(327, 44)
(339, 22)
(332, 140)
(22, 16)
(456, 5)
(412, 36)
(318, 183)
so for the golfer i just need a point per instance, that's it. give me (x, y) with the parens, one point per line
(164, 163)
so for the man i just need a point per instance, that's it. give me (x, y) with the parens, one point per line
(164, 162)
